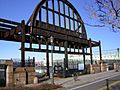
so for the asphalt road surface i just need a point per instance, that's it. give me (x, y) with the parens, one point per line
(98, 84)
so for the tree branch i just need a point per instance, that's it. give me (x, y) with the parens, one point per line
(114, 8)
(94, 25)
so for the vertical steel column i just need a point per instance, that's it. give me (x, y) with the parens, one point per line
(47, 57)
(40, 19)
(52, 72)
(47, 17)
(90, 44)
(78, 26)
(69, 18)
(74, 47)
(73, 20)
(59, 13)
(100, 50)
(78, 49)
(33, 61)
(66, 53)
(53, 13)
(39, 42)
(47, 47)
(64, 15)
(84, 57)
(59, 47)
(40, 16)
(66, 58)
(23, 44)
(69, 48)
(86, 49)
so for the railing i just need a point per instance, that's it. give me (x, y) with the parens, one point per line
(28, 63)
(2, 61)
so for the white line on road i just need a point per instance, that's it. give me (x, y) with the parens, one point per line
(93, 82)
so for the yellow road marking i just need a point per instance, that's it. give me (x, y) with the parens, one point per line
(110, 85)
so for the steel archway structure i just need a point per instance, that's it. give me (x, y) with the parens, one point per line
(57, 18)
(78, 20)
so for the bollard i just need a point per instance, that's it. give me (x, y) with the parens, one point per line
(36, 80)
(107, 84)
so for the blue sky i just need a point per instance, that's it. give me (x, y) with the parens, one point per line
(18, 10)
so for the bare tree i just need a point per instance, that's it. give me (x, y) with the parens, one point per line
(107, 12)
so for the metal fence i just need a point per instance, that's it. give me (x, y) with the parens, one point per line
(28, 63)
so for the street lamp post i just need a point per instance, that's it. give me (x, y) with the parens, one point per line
(52, 71)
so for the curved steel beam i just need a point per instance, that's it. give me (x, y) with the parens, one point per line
(32, 19)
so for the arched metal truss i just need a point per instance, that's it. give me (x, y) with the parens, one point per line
(57, 18)
(65, 17)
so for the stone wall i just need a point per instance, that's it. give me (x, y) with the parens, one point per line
(9, 73)
(24, 75)
(104, 67)
(19, 75)
(31, 74)
(96, 68)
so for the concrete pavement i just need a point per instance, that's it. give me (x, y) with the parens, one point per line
(68, 83)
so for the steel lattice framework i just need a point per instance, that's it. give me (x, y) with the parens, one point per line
(57, 18)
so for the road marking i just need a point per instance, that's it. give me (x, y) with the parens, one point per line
(93, 82)
(110, 85)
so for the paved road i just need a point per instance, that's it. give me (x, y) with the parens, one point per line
(97, 84)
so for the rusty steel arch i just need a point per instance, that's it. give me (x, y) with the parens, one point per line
(37, 10)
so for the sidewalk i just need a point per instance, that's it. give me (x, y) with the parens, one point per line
(69, 82)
